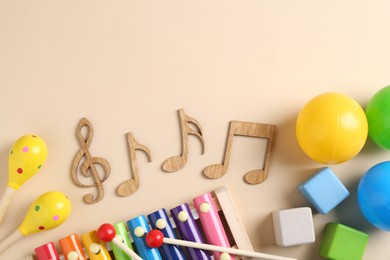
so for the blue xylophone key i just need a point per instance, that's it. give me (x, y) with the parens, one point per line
(160, 220)
(139, 227)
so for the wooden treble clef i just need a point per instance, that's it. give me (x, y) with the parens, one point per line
(88, 168)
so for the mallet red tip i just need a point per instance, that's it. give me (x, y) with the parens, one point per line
(155, 238)
(106, 232)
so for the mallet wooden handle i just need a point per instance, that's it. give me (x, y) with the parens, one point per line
(221, 249)
(127, 250)
(106, 232)
(155, 238)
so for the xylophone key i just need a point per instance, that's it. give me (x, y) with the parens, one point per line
(47, 252)
(185, 225)
(188, 230)
(211, 223)
(71, 248)
(139, 227)
(95, 248)
(121, 230)
(107, 233)
(160, 220)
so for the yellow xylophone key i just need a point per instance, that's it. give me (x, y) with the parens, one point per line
(95, 248)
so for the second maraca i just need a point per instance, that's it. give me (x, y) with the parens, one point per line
(26, 157)
(49, 211)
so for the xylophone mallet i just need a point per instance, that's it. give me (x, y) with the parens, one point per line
(155, 238)
(107, 233)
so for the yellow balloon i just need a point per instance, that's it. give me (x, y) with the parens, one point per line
(49, 211)
(27, 156)
(331, 128)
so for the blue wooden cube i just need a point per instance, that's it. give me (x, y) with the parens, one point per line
(324, 190)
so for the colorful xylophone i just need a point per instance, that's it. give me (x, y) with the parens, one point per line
(211, 218)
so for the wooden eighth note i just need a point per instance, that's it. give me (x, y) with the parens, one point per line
(88, 168)
(251, 130)
(130, 186)
(176, 163)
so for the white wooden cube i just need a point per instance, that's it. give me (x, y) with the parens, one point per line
(293, 226)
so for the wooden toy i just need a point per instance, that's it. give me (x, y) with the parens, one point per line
(343, 243)
(85, 163)
(155, 239)
(26, 157)
(293, 226)
(71, 248)
(130, 186)
(188, 230)
(47, 252)
(96, 249)
(225, 207)
(123, 237)
(49, 211)
(225, 201)
(88, 168)
(138, 227)
(251, 130)
(160, 220)
(107, 233)
(324, 190)
(208, 215)
(176, 163)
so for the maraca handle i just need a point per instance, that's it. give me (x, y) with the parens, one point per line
(10, 240)
(5, 201)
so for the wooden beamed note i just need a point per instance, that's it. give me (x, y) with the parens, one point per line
(251, 130)
(176, 163)
(130, 186)
(88, 167)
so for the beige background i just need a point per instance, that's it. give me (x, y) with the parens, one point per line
(128, 66)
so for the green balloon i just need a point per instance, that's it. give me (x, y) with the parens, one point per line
(378, 118)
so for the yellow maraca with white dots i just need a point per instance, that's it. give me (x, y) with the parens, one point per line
(49, 211)
(26, 157)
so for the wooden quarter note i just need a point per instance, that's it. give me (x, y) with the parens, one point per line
(88, 168)
(251, 130)
(176, 163)
(130, 186)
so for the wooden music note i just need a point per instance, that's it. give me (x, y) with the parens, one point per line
(176, 163)
(245, 129)
(130, 186)
(88, 168)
